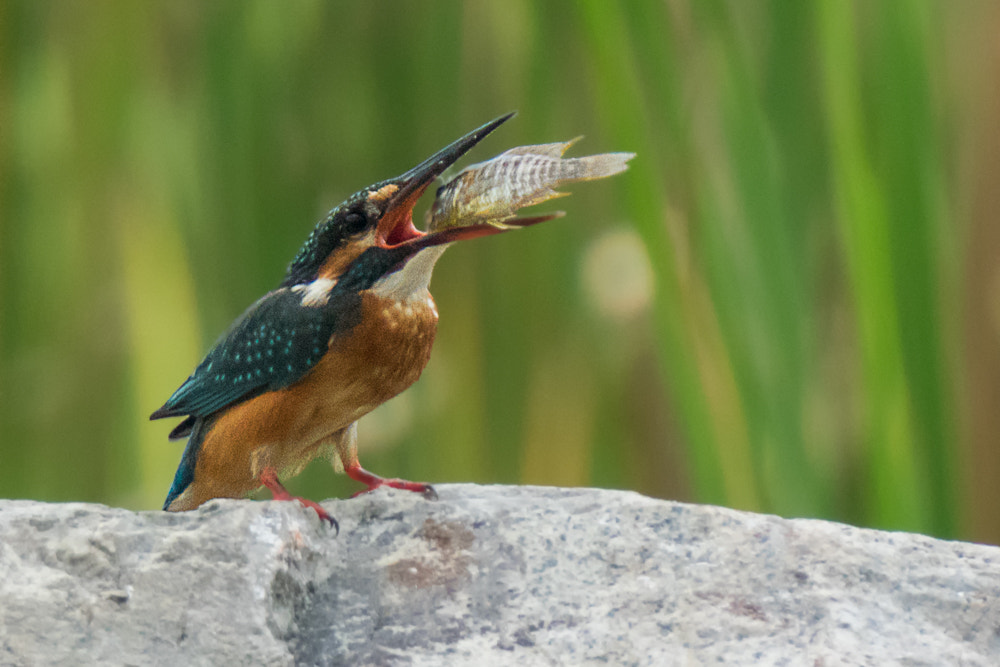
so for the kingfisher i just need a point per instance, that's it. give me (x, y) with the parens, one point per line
(350, 326)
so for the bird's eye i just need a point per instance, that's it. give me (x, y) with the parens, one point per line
(354, 223)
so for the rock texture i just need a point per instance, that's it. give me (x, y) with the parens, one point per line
(484, 576)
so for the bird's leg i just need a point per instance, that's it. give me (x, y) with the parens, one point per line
(269, 478)
(347, 449)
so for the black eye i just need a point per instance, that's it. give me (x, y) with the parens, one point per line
(354, 223)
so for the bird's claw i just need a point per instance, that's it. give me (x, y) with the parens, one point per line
(320, 512)
(329, 519)
(269, 478)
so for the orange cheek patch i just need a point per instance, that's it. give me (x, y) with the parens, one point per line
(383, 193)
(338, 261)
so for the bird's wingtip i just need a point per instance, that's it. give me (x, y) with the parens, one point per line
(163, 411)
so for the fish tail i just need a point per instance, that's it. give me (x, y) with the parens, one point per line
(595, 166)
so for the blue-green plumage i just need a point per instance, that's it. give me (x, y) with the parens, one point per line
(185, 471)
(351, 217)
(274, 343)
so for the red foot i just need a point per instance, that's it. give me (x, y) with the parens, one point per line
(373, 481)
(269, 478)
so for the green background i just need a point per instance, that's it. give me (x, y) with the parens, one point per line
(790, 303)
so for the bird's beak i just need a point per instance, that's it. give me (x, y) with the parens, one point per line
(396, 226)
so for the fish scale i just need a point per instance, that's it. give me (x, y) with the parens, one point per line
(492, 192)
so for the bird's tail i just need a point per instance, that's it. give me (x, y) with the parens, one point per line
(185, 471)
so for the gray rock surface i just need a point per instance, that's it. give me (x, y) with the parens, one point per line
(484, 576)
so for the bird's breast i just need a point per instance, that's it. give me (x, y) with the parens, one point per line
(393, 341)
(377, 359)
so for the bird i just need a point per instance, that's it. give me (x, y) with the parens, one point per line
(349, 327)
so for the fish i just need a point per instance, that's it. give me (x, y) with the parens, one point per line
(492, 192)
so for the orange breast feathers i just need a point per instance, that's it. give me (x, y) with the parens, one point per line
(379, 358)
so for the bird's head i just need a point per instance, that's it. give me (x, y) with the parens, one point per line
(371, 234)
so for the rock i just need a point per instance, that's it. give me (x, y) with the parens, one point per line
(484, 576)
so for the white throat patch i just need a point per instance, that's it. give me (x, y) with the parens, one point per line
(410, 283)
(316, 293)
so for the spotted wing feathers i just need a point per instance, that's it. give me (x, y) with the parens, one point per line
(273, 344)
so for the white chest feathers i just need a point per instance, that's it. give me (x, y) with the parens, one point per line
(411, 282)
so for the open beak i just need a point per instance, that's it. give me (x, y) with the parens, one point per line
(451, 234)
(396, 226)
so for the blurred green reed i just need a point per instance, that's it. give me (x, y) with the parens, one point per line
(789, 351)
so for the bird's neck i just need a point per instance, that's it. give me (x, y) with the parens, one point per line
(410, 282)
